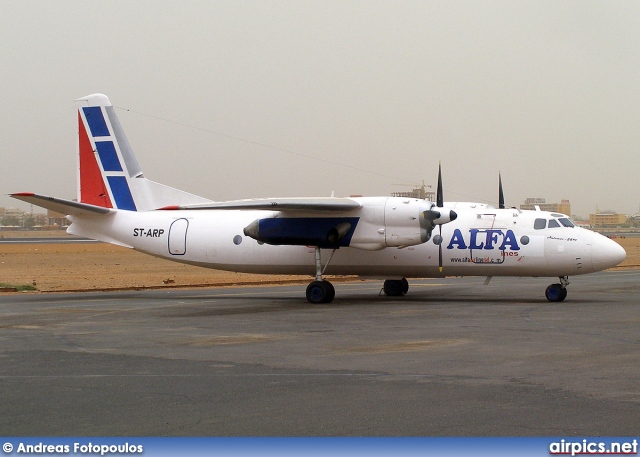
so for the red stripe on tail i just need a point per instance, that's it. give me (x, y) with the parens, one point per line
(92, 187)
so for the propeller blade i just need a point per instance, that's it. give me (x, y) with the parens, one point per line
(440, 204)
(440, 250)
(500, 194)
(433, 217)
(439, 196)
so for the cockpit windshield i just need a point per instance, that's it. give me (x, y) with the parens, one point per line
(563, 221)
(566, 222)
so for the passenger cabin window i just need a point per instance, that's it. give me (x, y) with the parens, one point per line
(553, 223)
(566, 222)
(539, 224)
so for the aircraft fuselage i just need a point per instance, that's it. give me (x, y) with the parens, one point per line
(482, 241)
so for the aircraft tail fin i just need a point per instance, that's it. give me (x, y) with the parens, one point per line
(108, 173)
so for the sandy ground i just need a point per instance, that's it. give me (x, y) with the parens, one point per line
(98, 266)
(55, 267)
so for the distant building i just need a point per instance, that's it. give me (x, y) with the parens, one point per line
(419, 192)
(634, 220)
(58, 219)
(12, 218)
(564, 207)
(607, 219)
(13, 212)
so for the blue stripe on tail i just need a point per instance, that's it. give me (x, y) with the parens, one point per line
(96, 122)
(121, 193)
(108, 156)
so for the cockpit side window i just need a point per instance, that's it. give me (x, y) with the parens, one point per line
(553, 223)
(540, 224)
(566, 222)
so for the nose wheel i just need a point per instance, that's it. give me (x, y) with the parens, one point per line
(557, 292)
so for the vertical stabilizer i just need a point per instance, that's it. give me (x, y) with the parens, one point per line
(108, 172)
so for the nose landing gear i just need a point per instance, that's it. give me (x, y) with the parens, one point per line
(557, 292)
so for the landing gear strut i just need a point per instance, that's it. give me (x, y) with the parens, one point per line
(320, 290)
(557, 292)
(395, 287)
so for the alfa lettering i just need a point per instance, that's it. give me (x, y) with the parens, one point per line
(486, 239)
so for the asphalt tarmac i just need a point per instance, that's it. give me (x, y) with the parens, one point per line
(452, 358)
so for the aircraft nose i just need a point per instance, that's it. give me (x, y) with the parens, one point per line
(605, 253)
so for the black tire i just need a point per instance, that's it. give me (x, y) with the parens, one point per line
(331, 291)
(393, 288)
(405, 286)
(564, 294)
(320, 292)
(555, 293)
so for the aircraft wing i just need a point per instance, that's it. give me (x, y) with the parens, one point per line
(60, 205)
(277, 204)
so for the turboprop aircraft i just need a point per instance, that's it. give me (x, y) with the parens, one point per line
(390, 238)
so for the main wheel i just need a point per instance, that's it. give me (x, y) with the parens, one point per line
(394, 287)
(320, 292)
(556, 293)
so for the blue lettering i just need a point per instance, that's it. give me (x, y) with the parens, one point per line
(457, 239)
(492, 237)
(473, 244)
(491, 240)
(509, 240)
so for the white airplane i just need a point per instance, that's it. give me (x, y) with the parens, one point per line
(386, 238)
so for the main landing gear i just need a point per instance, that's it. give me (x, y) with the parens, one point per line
(320, 290)
(557, 292)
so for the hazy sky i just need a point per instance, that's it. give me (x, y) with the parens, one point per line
(242, 99)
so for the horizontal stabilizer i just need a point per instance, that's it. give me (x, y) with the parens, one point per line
(60, 205)
(277, 204)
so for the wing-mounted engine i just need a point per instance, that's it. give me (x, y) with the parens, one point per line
(372, 223)
(379, 223)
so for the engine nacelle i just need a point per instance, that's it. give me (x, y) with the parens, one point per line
(379, 223)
